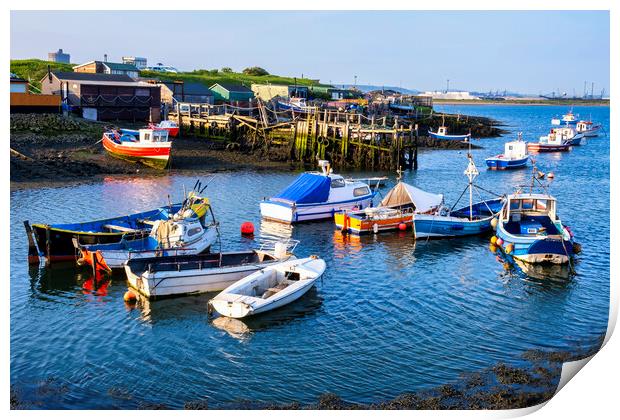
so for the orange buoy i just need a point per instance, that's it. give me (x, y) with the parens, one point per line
(493, 240)
(509, 248)
(247, 228)
(402, 226)
(129, 296)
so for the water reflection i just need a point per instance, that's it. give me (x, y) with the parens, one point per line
(242, 329)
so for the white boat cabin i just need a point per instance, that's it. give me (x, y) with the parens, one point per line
(515, 149)
(583, 126)
(144, 135)
(442, 131)
(522, 206)
(558, 136)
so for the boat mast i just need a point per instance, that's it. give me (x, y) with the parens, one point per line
(471, 172)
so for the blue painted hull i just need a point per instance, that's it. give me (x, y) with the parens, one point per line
(448, 137)
(536, 249)
(457, 223)
(501, 163)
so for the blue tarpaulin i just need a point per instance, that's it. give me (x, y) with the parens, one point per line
(308, 188)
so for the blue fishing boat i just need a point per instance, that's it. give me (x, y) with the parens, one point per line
(529, 229)
(474, 219)
(187, 233)
(442, 134)
(55, 241)
(515, 156)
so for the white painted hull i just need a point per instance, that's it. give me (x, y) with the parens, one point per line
(290, 213)
(233, 302)
(176, 283)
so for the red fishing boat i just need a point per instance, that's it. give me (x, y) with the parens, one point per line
(147, 146)
(170, 126)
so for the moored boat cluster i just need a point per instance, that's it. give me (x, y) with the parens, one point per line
(168, 251)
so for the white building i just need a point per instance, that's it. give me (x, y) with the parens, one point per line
(454, 96)
(139, 62)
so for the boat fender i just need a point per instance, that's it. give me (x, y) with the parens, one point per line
(499, 242)
(494, 224)
(129, 296)
(493, 239)
(375, 228)
(493, 248)
(402, 226)
(509, 248)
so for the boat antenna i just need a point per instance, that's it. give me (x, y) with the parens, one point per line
(471, 172)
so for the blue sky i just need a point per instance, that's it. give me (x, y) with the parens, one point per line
(525, 51)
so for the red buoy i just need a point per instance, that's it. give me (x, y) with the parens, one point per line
(247, 228)
(402, 226)
(129, 296)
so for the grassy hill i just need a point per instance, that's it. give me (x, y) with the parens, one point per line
(34, 70)
(209, 77)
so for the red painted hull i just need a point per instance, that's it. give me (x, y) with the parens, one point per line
(537, 147)
(156, 156)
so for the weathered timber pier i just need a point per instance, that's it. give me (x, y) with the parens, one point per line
(347, 139)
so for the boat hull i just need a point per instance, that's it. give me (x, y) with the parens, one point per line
(459, 137)
(541, 147)
(457, 223)
(172, 283)
(115, 258)
(236, 302)
(156, 157)
(357, 224)
(537, 249)
(56, 242)
(437, 227)
(290, 213)
(498, 163)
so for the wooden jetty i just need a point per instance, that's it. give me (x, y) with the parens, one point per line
(347, 139)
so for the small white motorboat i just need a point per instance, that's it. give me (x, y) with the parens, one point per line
(269, 288)
(188, 232)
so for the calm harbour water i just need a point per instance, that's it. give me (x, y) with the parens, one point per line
(389, 316)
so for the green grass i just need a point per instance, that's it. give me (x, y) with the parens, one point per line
(210, 77)
(33, 70)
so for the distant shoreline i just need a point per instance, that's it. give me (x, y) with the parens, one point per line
(524, 102)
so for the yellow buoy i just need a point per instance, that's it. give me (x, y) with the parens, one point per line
(129, 296)
(509, 248)
(493, 240)
(493, 248)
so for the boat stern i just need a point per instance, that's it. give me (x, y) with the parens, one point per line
(231, 305)
(278, 211)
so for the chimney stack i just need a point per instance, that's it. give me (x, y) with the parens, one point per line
(49, 73)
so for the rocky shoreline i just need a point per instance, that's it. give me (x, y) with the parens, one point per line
(50, 148)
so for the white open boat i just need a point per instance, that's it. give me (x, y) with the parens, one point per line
(269, 288)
